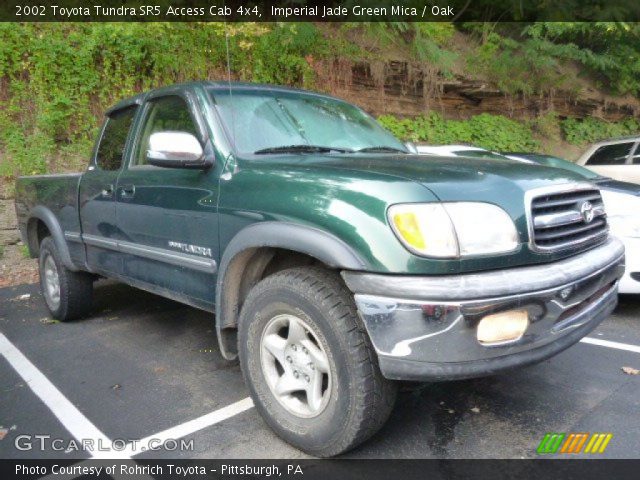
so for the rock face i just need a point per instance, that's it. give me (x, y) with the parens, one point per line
(9, 233)
(405, 89)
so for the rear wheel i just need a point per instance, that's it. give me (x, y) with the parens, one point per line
(309, 364)
(67, 294)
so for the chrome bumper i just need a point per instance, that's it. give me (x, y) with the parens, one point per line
(424, 328)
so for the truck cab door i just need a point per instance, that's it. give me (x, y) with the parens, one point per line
(98, 192)
(168, 216)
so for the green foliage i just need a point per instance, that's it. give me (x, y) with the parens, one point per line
(428, 42)
(530, 59)
(589, 130)
(525, 66)
(608, 49)
(284, 55)
(499, 133)
(24, 251)
(56, 80)
(494, 132)
(547, 126)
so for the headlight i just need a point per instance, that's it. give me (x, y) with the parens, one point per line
(450, 230)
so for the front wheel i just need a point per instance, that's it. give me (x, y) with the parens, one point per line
(309, 364)
(68, 294)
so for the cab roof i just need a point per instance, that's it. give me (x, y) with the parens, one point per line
(141, 97)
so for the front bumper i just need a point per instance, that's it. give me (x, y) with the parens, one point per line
(424, 328)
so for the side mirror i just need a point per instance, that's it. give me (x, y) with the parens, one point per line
(176, 150)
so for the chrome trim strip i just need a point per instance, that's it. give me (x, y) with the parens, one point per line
(98, 241)
(73, 236)
(153, 253)
(572, 243)
(564, 218)
(529, 195)
(497, 283)
(570, 323)
(175, 258)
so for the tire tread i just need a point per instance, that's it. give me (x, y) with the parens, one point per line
(375, 394)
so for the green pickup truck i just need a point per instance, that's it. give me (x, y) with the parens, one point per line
(335, 261)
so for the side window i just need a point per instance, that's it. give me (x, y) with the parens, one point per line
(164, 114)
(114, 138)
(611, 154)
(635, 158)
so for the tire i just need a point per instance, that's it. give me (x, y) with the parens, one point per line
(355, 400)
(74, 289)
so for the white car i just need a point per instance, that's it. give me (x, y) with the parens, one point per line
(458, 151)
(623, 213)
(619, 159)
(621, 200)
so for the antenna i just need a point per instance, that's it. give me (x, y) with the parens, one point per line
(233, 121)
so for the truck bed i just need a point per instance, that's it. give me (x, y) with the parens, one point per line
(56, 193)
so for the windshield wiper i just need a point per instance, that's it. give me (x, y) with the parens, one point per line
(381, 149)
(300, 149)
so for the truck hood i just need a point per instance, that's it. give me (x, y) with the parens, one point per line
(448, 178)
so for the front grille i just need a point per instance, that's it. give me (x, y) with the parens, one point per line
(563, 219)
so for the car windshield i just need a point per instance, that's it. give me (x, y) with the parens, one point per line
(276, 121)
(479, 154)
(556, 162)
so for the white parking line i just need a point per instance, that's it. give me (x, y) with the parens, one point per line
(189, 427)
(79, 426)
(610, 344)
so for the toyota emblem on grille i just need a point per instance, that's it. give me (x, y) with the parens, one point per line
(586, 210)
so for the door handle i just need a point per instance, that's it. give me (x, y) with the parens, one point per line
(107, 191)
(128, 191)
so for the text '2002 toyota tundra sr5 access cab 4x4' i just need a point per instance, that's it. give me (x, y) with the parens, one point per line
(335, 261)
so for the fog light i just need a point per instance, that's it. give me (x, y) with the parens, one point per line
(502, 327)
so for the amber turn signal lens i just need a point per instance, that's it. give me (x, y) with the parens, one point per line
(407, 225)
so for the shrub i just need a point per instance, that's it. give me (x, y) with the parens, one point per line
(494, 132)
(589, 130)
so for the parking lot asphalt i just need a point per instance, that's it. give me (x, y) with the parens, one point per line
(141, 364)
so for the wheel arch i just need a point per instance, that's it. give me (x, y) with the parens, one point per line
(250, 253)
(41, 217)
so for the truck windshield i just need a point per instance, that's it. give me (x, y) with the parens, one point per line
(273, 121)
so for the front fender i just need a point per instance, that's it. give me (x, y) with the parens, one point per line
(311, 241)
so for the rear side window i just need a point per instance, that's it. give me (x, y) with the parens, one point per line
(611, 154)
(114, 138)
(635, 158)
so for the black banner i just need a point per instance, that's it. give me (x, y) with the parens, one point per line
(323, 469)
(318, 10)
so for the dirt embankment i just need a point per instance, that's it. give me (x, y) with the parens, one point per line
(15, 267)
(406, 89)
